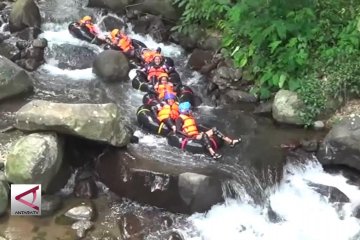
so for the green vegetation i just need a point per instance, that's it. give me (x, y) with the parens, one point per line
(308, 46)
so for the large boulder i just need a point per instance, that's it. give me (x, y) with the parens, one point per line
(199, 58)
(111, 65)
(13, 79)
(25, 13)
(4, 194)
(164, 8)
(35, 158)
(287, 108)
(176, 188)
(7, 139)
(99, 122)
(341, 144)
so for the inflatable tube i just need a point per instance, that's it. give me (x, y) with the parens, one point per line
(140, 82)
(193, 145)
(184, 94)
(149, 122)
(82, 34)
(138, 44)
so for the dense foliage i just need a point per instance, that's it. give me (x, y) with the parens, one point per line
(309, 46)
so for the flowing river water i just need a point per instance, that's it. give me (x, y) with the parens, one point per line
(260, 177)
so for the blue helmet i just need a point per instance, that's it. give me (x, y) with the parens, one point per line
(169, 95)
(184, 107)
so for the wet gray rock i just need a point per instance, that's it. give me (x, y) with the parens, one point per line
(287, 108)
(4, 195)
(130, 227)
(199, 191)
(13, 79)
(131, 175)
(188, 41)
(85, 186)
(225, 77)
(32, 55)
(35, 158)
(264, 108)
(333, 194)
(99, 122)
(111, 65)
(82, 210)
(199, 58)
(116, 5)
(175, 236)
(109, 23)
(356, 212)
(50, 204)
(7, 139)
(152, 25)
(318, 125)
(81, 213)
(82, 227)
(25, 13)
(72, 57)
(9, 50)
(29, 33)
(236, 96)
(164, 8)
(341, 144)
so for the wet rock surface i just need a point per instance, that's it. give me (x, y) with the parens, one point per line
(99, 122)
(340, 146)
(159, 184)
(333, 194)
(35, 158)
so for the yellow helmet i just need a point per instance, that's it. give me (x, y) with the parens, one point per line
(114, 32)
(161, 75)
(87, 18)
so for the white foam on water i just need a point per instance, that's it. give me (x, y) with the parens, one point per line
(168, 50)
(76, 74)
(307, 215)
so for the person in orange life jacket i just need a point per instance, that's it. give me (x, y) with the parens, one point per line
(163, 86)
(147, 55)
(87, 24)
(168, 112)
(122, 41)
(155, 68)
(187, 125)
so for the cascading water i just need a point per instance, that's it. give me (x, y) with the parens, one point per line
(301, 212)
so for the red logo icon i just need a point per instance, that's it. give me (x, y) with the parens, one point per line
(29, 204)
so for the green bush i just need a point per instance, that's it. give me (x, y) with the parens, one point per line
(287, 44)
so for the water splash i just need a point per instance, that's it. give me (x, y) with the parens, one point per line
(303, 212)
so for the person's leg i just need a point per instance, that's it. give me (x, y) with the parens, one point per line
(206, 141)
(231, 142)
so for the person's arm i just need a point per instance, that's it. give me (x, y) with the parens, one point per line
(179, 123)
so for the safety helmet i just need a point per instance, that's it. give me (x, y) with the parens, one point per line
(114, 32)
(161, 75)
(169, 95)
(158, 50)
(184, 107)
(87, 18)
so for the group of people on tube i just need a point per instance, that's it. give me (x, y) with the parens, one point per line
(176, 116)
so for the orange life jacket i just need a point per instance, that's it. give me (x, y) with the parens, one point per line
(153, 71)
(89, 26)
(189, 125)
(169, 112)
(124, 43)
(163, 88)
(148, 55)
